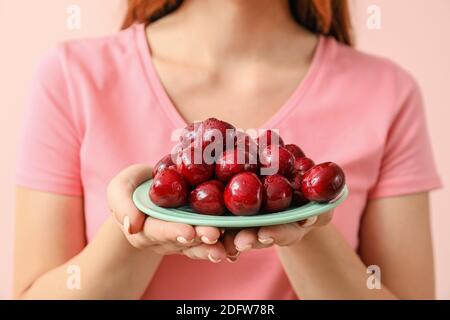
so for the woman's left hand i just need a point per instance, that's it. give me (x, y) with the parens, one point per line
(236, 242)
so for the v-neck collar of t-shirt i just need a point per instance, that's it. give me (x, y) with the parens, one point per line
(317, 65)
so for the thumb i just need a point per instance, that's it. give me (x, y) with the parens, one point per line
(119, 193)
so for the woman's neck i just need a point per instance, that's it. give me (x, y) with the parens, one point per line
(231, 30)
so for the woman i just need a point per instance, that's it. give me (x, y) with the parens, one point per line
(99, 106)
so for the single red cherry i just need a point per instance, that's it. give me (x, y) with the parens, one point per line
(276, 160)
(212, 128)
(207, 198)
(301, 165)
(168, 189)
(323, 182)
(268, 138)
(298, 198)
(162, 164)
(191, 166)
(295, 150)
(234, 161)
(243, 194)
(277, 193)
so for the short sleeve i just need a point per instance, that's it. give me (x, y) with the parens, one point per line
(407, 165)
(49, 150)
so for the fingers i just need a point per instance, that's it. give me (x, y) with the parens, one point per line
(213, 252)
(164, 232)
(282, 235)
(120, 191)
(289, 234)
(207, 235)
(246, 239)
(228, 243)
(138, 241)
(324, 219)
(317, 221)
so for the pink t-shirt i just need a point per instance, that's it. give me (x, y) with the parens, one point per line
(97, 106)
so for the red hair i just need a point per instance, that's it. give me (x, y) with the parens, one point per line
(327, 17)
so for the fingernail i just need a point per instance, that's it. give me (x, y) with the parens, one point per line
(234, 256)
(126, 224)
(212, 259)
(231, 260)
(309, 222)
(183, 240)
(207, 241)
(266, 240)
(244, 248)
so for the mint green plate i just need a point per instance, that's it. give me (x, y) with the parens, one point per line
(188, 216)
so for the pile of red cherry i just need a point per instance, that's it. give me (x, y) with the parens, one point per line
(228, 184)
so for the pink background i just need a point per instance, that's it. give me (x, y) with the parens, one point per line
(413, 32)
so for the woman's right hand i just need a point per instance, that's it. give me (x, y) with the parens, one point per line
(164, 238)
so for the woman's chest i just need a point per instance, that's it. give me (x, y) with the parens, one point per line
(247, 96)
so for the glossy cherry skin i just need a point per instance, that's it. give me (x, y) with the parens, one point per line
(212, 127)
(268, 138)
(162, 164)
(192, 170)
(277, 194)
(234, 161)
(169, 189)
(243, 194)
(277, 158)
(298, 198)
(323, 182)
(301, 165)
(207, 198)
(295, 150)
